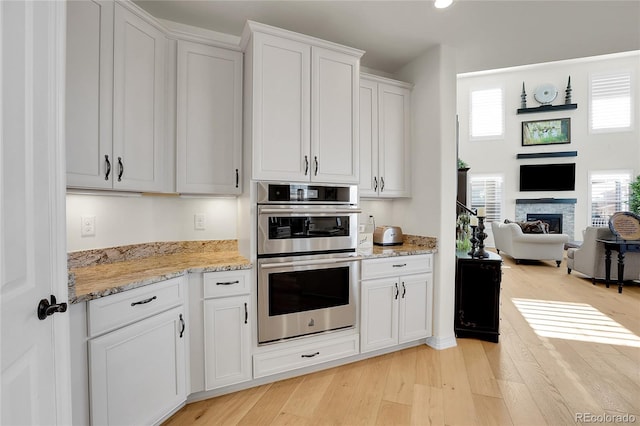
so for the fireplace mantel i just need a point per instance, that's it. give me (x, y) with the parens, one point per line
(546, 200)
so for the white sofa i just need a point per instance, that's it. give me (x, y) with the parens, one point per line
(589, 258)
(509, 239)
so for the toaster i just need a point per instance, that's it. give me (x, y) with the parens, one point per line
(387, 236)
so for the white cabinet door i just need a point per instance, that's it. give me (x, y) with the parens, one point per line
(138, 103)
(394, 133)
(89, 89)
(368, 123)
(415, 307)
(281, 102)
(334, 116)
(379, 314)
(138, 372)
(227, 341)
(209, 119)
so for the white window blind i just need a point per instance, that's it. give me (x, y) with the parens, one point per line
(609, 194)
(610, 102)
(487, 191)
(487, 114)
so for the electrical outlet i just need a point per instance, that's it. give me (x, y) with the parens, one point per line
(88, 226)
(199, 222)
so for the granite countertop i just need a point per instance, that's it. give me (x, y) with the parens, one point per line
(411, 245)
(98, 273)
(102, 272)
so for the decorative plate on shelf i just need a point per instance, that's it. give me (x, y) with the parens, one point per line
(625, 225)
(545, 93)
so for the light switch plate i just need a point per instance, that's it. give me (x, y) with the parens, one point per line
(199, 221)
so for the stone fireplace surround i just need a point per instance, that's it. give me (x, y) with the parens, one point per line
(564, 206)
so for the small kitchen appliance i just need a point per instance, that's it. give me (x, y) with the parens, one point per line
(387, 236)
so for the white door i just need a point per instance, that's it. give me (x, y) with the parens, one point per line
(368, 186)
(281, 109)
(334, 116)
(415, 310)
(379, 314)
(209, 119)
(394, 136)
(227, 341)
(138, 103)
(138, 372)
(89, 94)
(35, 366)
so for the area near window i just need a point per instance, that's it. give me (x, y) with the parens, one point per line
(610, 102)
(486, 120)
(609, 193)
(487, 191)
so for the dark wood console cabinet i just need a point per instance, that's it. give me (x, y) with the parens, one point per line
(477, 309)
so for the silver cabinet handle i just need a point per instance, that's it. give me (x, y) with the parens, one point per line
(399, 265)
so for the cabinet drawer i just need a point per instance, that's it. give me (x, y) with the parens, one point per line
(222, 284)
(288, 359)
(396, 266)
(111, 312)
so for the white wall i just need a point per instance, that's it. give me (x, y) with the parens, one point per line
(122, 220)
(431, 209)
(602, 151)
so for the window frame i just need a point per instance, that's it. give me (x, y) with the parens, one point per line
(591, 173)
(632, 101)
(487, 176)
(500, 136)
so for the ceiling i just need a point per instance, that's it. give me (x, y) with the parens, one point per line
(485, 34)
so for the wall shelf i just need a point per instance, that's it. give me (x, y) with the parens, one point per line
(546, 108)
(547, 154)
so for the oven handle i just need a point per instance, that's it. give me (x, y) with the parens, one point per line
(309, 262)
(305, 212)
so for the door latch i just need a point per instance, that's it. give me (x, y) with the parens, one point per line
(46, 308)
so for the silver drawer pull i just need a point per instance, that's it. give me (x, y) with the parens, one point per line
(229, 283)
(142, 302)
(400, 266)
(310, 355)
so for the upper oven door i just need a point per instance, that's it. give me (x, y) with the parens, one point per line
(285, 230)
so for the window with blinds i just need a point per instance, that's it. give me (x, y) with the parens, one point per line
(609, 193)
(487, 191)
(610, 102)
(486, 119)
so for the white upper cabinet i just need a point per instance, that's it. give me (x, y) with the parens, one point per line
(385, 137)
(89, 94)
(209, 119)
(115, 98)
(138, 102)
(301, 107)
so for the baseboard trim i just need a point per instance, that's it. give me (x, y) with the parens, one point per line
(440, 343)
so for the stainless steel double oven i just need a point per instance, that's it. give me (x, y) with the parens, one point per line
(307, 263)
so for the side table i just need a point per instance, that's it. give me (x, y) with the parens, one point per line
(621, 246)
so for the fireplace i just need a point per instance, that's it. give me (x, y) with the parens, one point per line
(553, 219)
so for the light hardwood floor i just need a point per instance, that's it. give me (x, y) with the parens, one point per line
(526, 379)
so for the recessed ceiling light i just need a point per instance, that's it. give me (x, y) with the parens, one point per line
(441, 4)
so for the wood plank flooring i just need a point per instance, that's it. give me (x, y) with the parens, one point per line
(526, 379)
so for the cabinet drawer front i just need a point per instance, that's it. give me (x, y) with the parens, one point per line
(396, 266)
(304, 356)
(221, 284)
(111, 312)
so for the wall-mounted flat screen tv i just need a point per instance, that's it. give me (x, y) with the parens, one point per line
(548, 177)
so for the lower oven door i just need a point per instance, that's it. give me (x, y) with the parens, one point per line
(299, 297)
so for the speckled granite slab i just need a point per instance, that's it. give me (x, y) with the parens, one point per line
(102, 275)
(412, 244)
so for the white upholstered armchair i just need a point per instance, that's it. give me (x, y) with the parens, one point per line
(589, 258)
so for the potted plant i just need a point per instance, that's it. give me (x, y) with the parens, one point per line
(634, 196)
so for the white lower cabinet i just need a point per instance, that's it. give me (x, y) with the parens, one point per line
(138, 372)
(227, 329)
(396, 301)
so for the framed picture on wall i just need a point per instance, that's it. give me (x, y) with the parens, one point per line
(546, 132)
